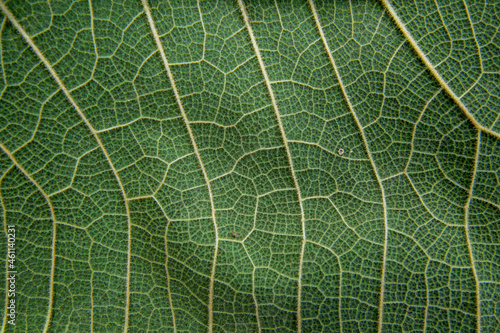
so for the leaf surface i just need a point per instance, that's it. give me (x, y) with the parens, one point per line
(251, 166)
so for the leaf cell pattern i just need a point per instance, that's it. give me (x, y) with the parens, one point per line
(290, 166)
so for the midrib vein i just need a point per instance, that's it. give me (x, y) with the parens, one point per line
(159, 45)
(469, 245)
(246, 18)
(365, 142)
(66, 92)
(432, 69)
(54, 234)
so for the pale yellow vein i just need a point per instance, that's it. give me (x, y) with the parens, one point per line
(433, 70)
(246, 18)
(54, 235)
(467, 234)
(370, 157)
(166, 265)
(159, 45)
(66, 92)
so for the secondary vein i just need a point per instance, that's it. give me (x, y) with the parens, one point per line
(246, 18)
(54, 235)
(156, 37)
(66, 92)
(433, 70)
(365, 141)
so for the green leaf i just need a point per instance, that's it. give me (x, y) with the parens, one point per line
(250, 166)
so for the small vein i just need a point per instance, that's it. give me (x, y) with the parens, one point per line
(420, 195)
(156, 37)
(474, 35)
(486, 201)
(4, 78)
(314, 144)
(414, 132)
(246, 18)
(446, 29)
(92, 30)
(340, 278)
(361, 130)
(427, 297)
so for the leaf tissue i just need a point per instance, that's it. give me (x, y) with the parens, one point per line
(250, 166)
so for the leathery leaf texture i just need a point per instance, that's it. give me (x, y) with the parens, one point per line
(251, 166)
